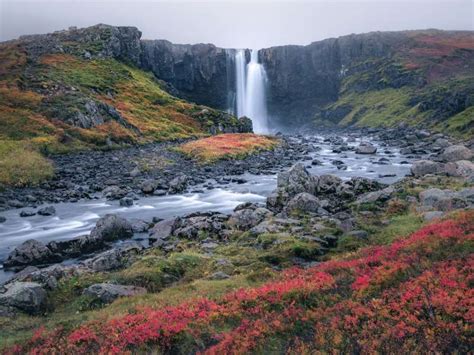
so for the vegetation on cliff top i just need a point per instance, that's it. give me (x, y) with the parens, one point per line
(414, 295)
(428, 81)
(227, 146)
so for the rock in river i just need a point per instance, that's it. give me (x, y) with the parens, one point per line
(31, 252)
(112, 227)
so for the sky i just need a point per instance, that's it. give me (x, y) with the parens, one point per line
(236, 24)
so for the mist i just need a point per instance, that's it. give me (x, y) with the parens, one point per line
(242, 24)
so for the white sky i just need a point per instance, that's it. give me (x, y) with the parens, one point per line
(236, 24)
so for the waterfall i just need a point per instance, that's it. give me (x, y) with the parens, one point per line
(250, 90)
(240, 82)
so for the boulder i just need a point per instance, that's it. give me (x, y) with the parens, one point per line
(148, 186)
(244, 219)
(3, 219)
(304, 203)
(366, 148)
(29, 297)
(329, 183)
(455, 153)
(114, 193)
(431, 196)
(431, 215)
(178, 184)
(77, 246)
(297, 180)
(112, 227)
(424, 167)
(116, 258)
(47, 211)
(31, 252)
(126, 202)
(375, 196)
(27, 212)
(461, 168)
(107, 293)
(163, 230)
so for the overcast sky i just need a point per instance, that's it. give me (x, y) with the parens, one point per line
(236, 24)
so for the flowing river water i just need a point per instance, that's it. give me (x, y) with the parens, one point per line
(74, 219)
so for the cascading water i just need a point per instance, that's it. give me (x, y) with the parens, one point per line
(250, 89)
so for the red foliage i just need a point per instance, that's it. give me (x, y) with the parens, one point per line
(414, 295)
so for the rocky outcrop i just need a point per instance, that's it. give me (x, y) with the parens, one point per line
(29, 297)
(200, 73)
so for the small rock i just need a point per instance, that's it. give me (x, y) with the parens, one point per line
(27, 213)
(366, 148)
(126, 202)
(47, 211)
(107, 293)
(219, 275)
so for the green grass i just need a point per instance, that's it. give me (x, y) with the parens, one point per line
(21, 165)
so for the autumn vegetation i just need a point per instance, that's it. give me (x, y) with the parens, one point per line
(225, 146)
(413, 295)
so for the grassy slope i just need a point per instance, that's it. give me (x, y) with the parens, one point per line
(412, 294)
(444, 61)
(39, 98)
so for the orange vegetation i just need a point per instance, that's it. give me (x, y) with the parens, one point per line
(225, 146)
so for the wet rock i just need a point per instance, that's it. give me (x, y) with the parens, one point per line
(296, 180)
(148, 186)
(140, 226)
(31, 252)
(114, 193)
(424, 167)
(107, 293)
(126, 202)
(74, 247)
(47, 211)
(178, 184)
(3, 219)
(366, 148)
(29, 297)
(27, 213)
(455, 153)
(163, 230)
(112, 227)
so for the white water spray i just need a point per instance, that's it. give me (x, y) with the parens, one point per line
(250, 88)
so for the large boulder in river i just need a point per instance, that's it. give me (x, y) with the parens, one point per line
(29, 297)
(456, 152)
(366, 148)
(112, 227)
(178, 184)
(296, 180)
(31, 252)
(424, 167)
(107, 293)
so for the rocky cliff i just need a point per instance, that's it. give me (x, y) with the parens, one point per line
(380, 78)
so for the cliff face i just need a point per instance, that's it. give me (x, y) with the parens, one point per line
(380, 78)
(302, 79)
(200, 73)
